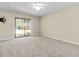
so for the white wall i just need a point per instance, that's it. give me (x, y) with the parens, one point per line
(7, 30)
(63, 25)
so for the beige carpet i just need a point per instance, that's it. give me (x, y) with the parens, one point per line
(37, 46)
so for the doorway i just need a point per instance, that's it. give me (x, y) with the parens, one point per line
(23, 27)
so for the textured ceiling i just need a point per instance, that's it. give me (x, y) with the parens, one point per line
(27, 7)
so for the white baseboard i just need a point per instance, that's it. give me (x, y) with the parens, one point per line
(35, 34)
(6, 38)
(45, 35)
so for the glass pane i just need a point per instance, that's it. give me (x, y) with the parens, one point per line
(19, 28)
(27, 27)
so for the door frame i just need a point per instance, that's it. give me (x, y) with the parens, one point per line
(24, 29)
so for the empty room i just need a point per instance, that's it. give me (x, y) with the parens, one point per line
(39, 29)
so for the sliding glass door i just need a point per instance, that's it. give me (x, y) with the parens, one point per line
(23, 27)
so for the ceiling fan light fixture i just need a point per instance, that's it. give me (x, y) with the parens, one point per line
(38, 5)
